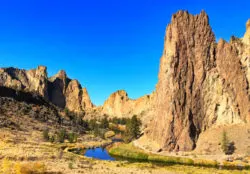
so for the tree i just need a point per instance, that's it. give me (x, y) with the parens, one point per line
(104, 123)
(135, 126)
(132, 129)
(227, 147)
(92, 124)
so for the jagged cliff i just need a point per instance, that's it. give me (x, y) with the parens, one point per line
(59, 89)
(120, 105)
(201, 83)
(66, 93)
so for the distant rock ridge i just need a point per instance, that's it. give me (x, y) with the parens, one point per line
(201, 83)
(59, 89)
(68, 93)
(34, 80)
(120, 105)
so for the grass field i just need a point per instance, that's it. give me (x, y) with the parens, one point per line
(128, 151)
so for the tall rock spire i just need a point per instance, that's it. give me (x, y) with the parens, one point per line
(246, 38)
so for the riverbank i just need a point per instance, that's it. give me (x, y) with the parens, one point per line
(129, 151)
(30, 152)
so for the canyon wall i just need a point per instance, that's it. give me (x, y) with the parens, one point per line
(201, 83)
(59, 89)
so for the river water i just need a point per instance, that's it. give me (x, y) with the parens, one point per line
(99, 153)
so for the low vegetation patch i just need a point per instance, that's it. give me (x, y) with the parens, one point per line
(129, 128)
(128, 151)
(59, 136)
(227, 146)
(9, 167)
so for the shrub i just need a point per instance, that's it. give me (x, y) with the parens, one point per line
(66, 110)
(104, 123)
(70, 165)
(99, 132)
(46, 135)
(61, 136)
(227, 147)
(52, 138)
(9, 167)
(6, 166)
(72, 137)
(28, 168)
(92, 124)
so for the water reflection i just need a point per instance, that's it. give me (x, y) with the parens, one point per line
(98, 153)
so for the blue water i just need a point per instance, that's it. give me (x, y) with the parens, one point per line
(98, 153)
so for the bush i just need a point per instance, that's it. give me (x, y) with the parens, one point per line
(98, 132)
(92, 124)
(104, 123)
(46, 135)
(72, 137)
(70, 165)
(9, 167)
(227, 147)
(61, 136)
(52, 138)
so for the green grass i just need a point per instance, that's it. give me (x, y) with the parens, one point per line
(125, 150)
(128, 151)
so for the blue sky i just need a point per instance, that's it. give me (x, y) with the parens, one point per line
(106, 45)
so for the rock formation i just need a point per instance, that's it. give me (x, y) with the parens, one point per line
(59, 89)
(86, 101)
(57, 86)
(201, 83)
(246, 38)
(120, 105)
(77, 99)
(33, 80)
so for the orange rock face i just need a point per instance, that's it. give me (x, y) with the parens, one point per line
(201, 83)
(120, 105)
(59, 89)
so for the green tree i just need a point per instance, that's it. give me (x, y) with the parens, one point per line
(132, 129)
(92, 124)
(104, 123)
(67, 112)
(135, 126)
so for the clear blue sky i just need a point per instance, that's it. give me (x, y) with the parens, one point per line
(106, 44)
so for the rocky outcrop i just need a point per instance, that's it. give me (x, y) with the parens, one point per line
(59, 89)
(120, 105)
(73, 96)
(201, 83)
(86, 101)
(246, 38)
(34, 80)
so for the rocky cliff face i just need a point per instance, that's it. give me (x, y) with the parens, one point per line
(33, 80)
(57, 86)
(201, 83)
(120, 105)
(59, 89)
